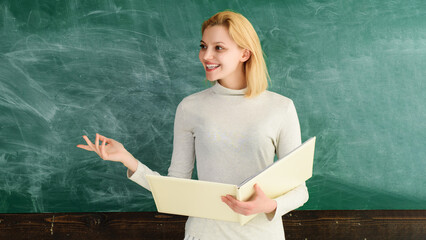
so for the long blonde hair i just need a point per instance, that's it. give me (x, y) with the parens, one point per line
(244, 35)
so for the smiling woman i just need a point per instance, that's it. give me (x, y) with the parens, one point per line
(222, 58)
(354, 69)
(236, 35)
(217, 128)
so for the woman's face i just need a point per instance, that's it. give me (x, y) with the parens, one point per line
(221, 57)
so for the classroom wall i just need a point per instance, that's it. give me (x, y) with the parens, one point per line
(354, 69)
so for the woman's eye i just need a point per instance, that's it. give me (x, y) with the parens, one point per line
(202, 46)
(219, 48)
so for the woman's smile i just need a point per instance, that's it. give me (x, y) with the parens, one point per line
(211, 67)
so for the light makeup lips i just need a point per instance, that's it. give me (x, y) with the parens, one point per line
(211, 66)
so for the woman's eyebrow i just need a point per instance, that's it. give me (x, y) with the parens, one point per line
(214, 43)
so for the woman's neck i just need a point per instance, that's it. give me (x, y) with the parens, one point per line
(233, 85)
(236, 81)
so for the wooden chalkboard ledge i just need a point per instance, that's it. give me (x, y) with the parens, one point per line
(304, 224)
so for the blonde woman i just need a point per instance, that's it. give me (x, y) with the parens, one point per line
(233, 130)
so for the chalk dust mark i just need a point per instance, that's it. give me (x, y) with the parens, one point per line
(19, 127)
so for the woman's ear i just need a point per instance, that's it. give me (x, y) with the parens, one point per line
(246, 55)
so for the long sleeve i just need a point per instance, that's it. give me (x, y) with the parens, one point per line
(183, 156)
(139, 175)
(289, 138)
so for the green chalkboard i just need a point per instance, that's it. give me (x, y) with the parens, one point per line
(355, 70)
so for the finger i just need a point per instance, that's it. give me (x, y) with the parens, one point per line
(257, 189)
(90, 144)
(229, 203)
(108, 140)
(97, 144)
(233, 203)
(100, 151)
(103, 152)
(102, 137)
(85, 147)
(241, 205)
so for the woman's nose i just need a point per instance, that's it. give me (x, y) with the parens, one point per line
(208, 54)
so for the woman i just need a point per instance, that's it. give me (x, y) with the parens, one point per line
(233, 129)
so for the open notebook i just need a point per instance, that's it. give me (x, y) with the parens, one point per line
(203, 199)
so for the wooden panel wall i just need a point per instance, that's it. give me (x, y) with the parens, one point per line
(317, 224)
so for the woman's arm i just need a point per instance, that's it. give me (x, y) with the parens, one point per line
(289, 139)
(182, 159)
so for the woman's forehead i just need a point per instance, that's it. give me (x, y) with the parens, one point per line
(217, 34)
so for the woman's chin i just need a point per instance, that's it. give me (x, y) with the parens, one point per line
(211, 79)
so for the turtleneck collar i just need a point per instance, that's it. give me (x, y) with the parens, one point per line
(219, 89)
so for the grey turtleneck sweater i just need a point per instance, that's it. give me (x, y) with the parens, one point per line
(233, 137)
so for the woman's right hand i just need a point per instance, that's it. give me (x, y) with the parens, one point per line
(110, 150)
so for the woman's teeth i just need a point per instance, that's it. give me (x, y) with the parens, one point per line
(210, 66)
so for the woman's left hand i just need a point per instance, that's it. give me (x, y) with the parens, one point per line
(258, 203)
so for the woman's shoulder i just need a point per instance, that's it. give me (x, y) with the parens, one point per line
(195, 98)
(277, 99)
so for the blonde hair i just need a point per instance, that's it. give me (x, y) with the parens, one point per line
(244, 35)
